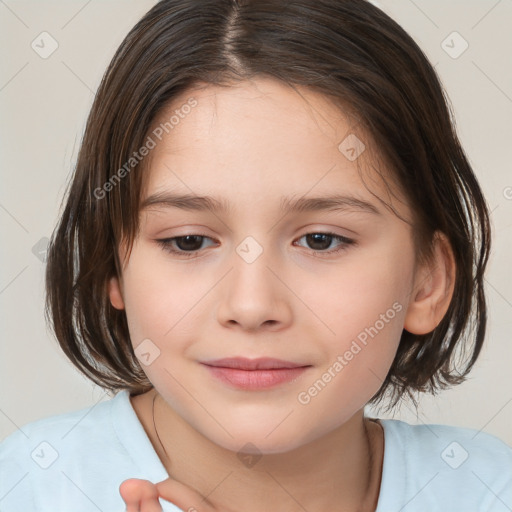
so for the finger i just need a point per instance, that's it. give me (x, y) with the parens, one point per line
(131, 494)
(183, 496)
(151, 504)
(140, 495)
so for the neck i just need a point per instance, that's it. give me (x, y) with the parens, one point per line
(340, 471)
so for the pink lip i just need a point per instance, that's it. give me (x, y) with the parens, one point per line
(254, 374)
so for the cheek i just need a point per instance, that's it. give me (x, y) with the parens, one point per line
(356, 363)
(363, 305)
(363, 292)
(159, 297)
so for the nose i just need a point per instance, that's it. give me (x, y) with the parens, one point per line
(253, 295)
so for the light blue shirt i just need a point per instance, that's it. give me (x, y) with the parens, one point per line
(75, 462)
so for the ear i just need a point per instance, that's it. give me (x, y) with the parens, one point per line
(433, 289)
(115, 294)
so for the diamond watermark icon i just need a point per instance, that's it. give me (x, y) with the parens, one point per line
(454, 45)
(147, 352)
(249, 249)
(249, 455)
(44, 45)
(39, 250)
(351, 147)
(44, 454)
(454, 455)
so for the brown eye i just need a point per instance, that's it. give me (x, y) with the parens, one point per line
(185, 246)
(189, 242)
(320, 242)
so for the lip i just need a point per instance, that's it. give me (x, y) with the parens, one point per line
(261, 363)
(254, 374)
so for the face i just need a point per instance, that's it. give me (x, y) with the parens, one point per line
(325, 289)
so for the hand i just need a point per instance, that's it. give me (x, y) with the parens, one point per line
(142, 496)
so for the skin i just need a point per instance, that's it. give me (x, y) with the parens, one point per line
(252, 144)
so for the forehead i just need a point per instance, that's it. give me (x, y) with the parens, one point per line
(259, 141)
(256, 113)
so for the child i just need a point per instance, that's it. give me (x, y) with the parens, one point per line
(261, 130)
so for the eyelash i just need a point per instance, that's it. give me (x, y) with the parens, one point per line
(166, 244)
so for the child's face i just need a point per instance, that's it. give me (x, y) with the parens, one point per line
(340, 314)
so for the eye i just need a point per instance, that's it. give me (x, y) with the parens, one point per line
(189, 245)
(321, 241)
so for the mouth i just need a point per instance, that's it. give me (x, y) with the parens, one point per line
(254, 374)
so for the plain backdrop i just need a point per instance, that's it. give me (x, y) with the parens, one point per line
(44, 103)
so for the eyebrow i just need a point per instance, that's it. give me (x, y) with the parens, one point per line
(192, 202)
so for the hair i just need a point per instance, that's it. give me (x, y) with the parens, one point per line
(347, 50)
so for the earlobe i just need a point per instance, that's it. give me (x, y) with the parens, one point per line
(433, 289)
(114, 293)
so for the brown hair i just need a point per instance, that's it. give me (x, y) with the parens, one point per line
(348, 50)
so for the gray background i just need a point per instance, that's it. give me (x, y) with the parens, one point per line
(44, 103)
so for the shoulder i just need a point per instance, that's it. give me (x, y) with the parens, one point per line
(38, 457)
(57, 427)
(451, 465)
(454, 446)
(426, 436)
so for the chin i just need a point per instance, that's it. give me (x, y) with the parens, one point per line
(259, 446)
(256, 440)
